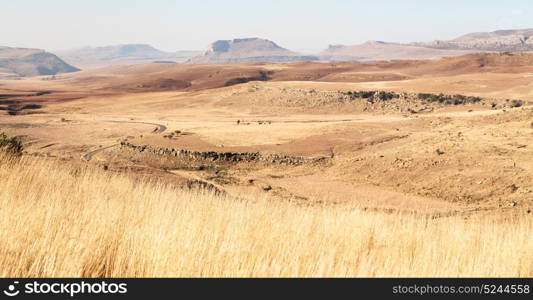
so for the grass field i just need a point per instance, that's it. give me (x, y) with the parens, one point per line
(65, 221)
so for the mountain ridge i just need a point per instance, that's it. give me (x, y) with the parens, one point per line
(384, 51)
(122, 54)
(499, 41)
(252, 50)
(22, 62)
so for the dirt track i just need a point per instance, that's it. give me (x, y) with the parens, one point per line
(160, 129)
(89, 156)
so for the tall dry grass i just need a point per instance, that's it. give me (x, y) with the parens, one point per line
(57, 220)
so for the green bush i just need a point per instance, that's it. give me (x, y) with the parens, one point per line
(448, 99)
(372, 95)
(375, 96)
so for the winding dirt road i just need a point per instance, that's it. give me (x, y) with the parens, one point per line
(162, 128)
(89, 156)
(159, 129)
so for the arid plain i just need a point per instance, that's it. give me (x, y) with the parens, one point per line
(331, 145)
(444, 139)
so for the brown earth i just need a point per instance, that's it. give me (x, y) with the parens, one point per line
(402, 153)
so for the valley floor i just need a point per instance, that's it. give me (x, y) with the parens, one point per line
(285, 177)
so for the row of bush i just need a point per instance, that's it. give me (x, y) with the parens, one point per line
(372, 95)
(11, 145)
(449, 99)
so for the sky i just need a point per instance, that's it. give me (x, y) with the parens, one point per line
(306, 26)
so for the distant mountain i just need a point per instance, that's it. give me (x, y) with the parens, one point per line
(122, 54)
(248, 50)
(17, 62)
(499, 41)
(378, 50)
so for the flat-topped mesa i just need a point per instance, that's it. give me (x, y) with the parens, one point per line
(248, 50)
(231, 157)
(248, 44)
(218, 46)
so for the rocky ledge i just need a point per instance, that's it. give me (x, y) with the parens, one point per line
(231, 157)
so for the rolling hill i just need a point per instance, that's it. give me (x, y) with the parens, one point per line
(378, 50)
(195, 77)
(20, 62)
(122, 54)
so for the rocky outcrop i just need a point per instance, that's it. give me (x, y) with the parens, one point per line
(229, 157)
(500, 41)
(479, 42)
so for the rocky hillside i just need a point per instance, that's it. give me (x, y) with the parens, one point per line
(248, 50)
(17, 62)
(377, 51)
(501, 40)
(123, 54)
(497, 41)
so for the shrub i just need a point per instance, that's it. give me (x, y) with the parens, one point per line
(449, 99)
(12, 145)
(372, 96)
(517, 103)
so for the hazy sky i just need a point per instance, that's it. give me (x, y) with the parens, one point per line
(300, 25)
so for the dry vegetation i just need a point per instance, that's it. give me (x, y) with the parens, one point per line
(413, 168)
(60, 220)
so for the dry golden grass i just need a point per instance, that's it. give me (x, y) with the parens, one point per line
(56, 220)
